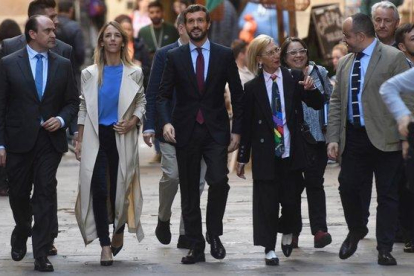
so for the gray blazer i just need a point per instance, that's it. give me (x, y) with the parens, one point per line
(386, 62)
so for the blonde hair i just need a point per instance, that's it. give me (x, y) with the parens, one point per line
(341, 47)
(256, 48)
(99, 55)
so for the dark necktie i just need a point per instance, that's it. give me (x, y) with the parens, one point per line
(277, 117)
(39, 76)
(355, 89)
(200, 81)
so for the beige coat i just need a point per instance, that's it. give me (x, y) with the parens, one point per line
(128, 203)
(386, 62)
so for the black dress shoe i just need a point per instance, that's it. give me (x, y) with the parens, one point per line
(183, 242)
(194, 256)
(287, 249)
(272, 261)
(409, 247)
(43, 264)
(385, 258)
(217, 249)
(52, 250)
(349, 246)
(163, 232)
(19, 247)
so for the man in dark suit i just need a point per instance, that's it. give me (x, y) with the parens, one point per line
(168, 185)
(11, 45)
(200, 126)
(38, 99)
(363, 133)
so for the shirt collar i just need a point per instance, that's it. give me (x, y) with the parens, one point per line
(205, 46)
(267, 75)
(32, 53)
(368, 51)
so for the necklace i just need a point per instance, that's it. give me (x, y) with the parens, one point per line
(157, 43)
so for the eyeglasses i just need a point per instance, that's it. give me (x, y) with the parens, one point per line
(295, 52)
(270, 53)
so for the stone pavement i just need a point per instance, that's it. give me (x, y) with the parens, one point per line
(151, 258)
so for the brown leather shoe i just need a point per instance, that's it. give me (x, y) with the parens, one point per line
(52, 250)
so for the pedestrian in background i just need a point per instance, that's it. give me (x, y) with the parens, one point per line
(338, 51)
(294, 55)
(70, 32)
(271, 135)
(112, 106)
(137, 49)
(8, 29)
(140, 16)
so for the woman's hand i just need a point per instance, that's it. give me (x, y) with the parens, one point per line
(78, 150)
(125, 126)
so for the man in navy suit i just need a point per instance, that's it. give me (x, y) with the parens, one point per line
(38, 100)
(200, 128)
(169, 181)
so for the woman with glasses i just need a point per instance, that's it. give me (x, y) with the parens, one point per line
(294, 55)
(271, 133)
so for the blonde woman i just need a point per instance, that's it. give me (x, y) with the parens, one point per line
(112, 106)
(271, 133)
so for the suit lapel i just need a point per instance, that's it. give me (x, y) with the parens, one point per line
(288, 91)
(376, 56)
(24, 65)
(90, 92)
(188, 65)
(263, 100)
(51, 72)
(211, 64)
(345, 82)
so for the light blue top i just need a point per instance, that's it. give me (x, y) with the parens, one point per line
(206, 54)
(391, 90)
(364, 66)
(108, 95)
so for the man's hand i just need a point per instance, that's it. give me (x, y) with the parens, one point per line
(169, 133)
(125, 126)
(78, 150)
(234, 142)
(2, 157)
(240, 170)
(403, 123)
(149, 138)
(307, 81)
(52, 124)
(405, 145)
(333, 150)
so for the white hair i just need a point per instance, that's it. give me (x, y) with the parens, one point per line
(385, 5)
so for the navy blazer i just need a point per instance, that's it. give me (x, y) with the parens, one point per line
(151, 121)
(179, 76)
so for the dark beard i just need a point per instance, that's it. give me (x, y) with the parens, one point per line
(199, 38)
(156, 21)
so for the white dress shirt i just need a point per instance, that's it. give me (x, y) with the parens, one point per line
(279, 82)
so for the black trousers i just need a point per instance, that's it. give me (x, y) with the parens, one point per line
(406, 211)
(201, 144)
(313, 182)
(267, 195)
(106, 165)
(359, 161)
(36, 168)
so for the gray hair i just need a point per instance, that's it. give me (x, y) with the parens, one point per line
(385, 5)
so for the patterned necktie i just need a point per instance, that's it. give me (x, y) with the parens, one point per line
(355, 87)
(39, 76)
(200, 81)
(277, 116)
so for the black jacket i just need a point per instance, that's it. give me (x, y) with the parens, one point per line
(21, 110)
(258, 127)
(179, 74)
